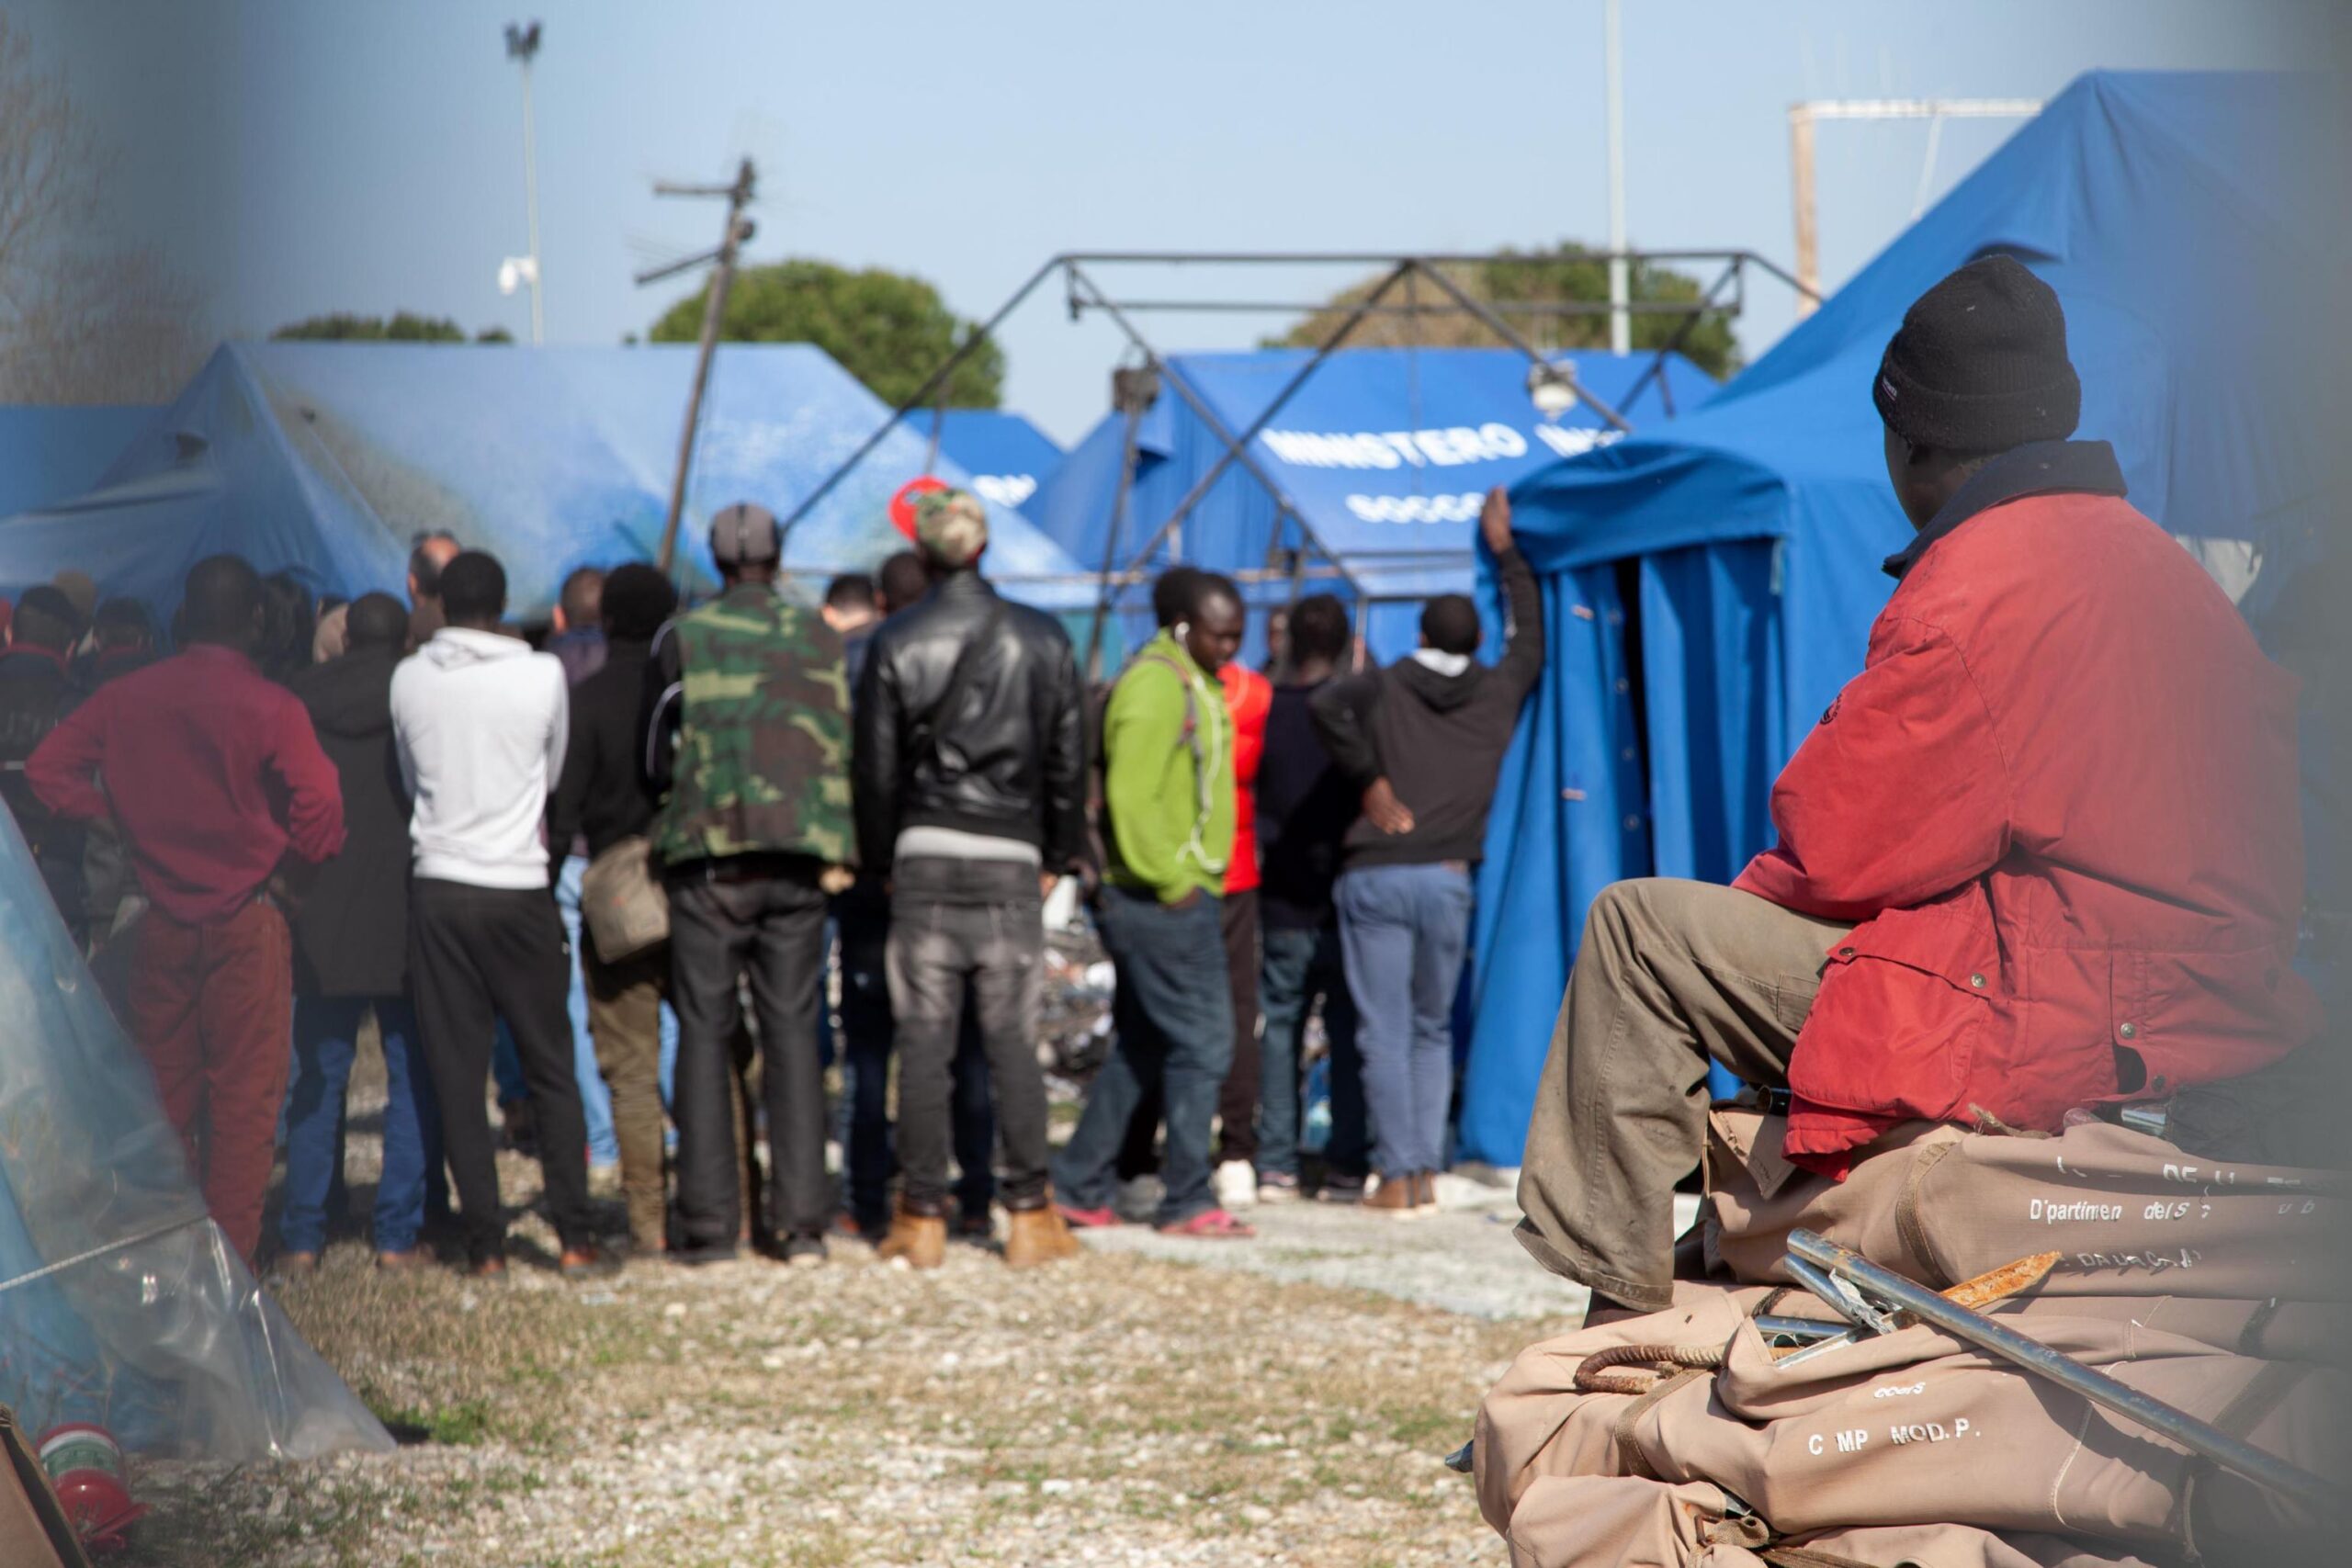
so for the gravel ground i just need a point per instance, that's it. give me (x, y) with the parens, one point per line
(1152, 1401)
(1461, 1260)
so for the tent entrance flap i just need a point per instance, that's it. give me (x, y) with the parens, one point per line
(1648, 751)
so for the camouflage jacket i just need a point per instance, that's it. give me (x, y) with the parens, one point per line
(748, 739)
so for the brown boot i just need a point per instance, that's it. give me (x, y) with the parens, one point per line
(1425, 1190)
(921, 1239)
(1038, 1235)
(1398, 1197)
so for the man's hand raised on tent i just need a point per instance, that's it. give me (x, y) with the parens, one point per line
(1494, 521)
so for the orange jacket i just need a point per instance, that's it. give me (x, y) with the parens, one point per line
(1247, 698)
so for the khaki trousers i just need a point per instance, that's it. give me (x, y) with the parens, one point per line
(624, 1021)
(1670, 974)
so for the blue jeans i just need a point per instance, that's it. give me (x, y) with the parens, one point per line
(1301, 965)
(1174, 1015)
(326, 1033)
(1404, 929)
(595, 1099)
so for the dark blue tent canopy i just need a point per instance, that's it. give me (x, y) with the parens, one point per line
(1383, 453)
(1710, 586)
(326, 460)
(1007, 456)
(50, 453)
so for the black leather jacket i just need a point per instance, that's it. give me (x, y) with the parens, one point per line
(1009, 762)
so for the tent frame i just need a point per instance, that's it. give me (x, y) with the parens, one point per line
(1083, 294)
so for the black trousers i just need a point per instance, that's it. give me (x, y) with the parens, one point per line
(477, 955)
(868, 1034)
(769, 929)
(967, 931)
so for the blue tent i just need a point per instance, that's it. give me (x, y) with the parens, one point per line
(48, 453)
(326, 459)
(1007, 456)
(1709, 587)
(1383, 453)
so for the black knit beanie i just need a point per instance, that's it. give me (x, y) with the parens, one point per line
(1980, 365)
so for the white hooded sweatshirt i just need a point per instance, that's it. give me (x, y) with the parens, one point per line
(481, 723)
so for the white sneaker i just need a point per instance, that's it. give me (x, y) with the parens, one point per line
(1236, 1184)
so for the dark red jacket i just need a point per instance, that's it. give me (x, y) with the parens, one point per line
(212, 772)
(2060, 801)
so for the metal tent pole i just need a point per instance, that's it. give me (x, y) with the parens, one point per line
(2032, 1356)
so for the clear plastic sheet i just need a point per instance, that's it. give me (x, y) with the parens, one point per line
(120, 1301)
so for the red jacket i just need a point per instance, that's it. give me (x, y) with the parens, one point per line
(212, 772)
(1249, 696)
(2061, 803)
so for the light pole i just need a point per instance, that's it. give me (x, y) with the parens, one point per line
(1621, 320)
(523, 45)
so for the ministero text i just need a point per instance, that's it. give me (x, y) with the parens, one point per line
(1443, 447)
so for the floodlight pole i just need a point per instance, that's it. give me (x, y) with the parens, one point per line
(1621, 320)
(523, 45)
(1803, 116)
(739, 229)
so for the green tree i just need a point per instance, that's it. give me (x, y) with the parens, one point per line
(888, 329)
(404, 327)
(1566, 273)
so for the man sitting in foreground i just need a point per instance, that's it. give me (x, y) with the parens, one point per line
(2042, 852)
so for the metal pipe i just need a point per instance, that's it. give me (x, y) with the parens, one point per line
(1317, 307)
(1504, 331)
(2030, 1355)
(1656, 370)
(1806, 1330)
(922, 394)
(1377, 258)
(1235, 448)
(1134, 397)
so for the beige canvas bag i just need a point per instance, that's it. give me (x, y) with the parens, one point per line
(2130, 1213)
(1628, 1521)
(1534, 1423)
(1914, 1427)
(623, 904)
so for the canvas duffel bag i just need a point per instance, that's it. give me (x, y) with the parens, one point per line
(623, 903)
(2130, 1213)
(1535, 1422)
(1590, 1521)
(1916, 1428)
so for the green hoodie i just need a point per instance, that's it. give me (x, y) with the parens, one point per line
(1168, 835)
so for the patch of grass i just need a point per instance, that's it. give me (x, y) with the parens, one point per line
(459, 1425)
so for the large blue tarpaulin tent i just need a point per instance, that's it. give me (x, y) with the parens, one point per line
(327, 460)
(1382, 453)
(1007, 456)
(1709, 586)
(48, 453)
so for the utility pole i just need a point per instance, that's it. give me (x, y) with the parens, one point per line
(1802, 119)
(739, 230)
(523, 45)
(1620, 319)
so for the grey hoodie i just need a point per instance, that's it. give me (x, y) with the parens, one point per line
(481, 723)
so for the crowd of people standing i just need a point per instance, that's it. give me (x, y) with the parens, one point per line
(615, 875)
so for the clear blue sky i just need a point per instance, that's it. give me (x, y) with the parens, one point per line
(298, 158)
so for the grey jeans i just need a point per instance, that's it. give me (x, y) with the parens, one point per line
(959, 926)
(1669, 976)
